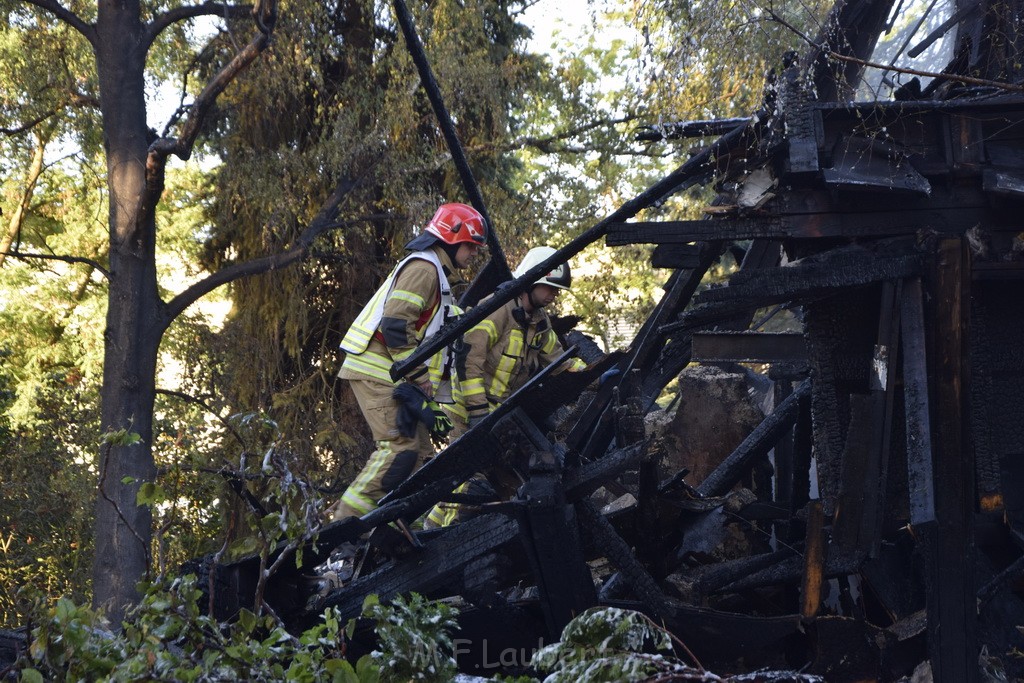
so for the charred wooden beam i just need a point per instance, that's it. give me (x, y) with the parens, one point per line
(439, 561)
(748, 347)
(604, 536)
(814, 561)
(696, 584)
(676, 256)
(792, 570)
(867, 165)
(497, 269)
(920, 476)
(550, 536)
(756, 445)
(808, 279)
(688, 129)
(948, 543)
(938, 217)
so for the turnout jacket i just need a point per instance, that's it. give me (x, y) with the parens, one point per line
(410, 305)
(500, 354)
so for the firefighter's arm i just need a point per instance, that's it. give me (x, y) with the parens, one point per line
(477, 343)
(551, 349)
(414, 291)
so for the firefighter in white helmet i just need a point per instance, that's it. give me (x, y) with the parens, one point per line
(498, 356)
(411, 304)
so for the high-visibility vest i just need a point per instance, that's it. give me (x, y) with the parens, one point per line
(363, 328)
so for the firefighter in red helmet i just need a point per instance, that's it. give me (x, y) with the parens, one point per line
(412, 303)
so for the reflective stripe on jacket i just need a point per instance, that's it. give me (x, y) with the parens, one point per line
(500, 354)
(411, 304)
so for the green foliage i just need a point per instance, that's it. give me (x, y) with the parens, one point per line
(607, 644)
(415, 639)
(167, 638)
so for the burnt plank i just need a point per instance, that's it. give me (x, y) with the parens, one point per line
(938, 216)
(813, 561)
(805, 280)
(866, 456)
(437, 562)
(915, 400)
(676, 256)
(949, 543)
(748, 347)
(697, 583)
(602, 535)
(756, 445)
(856, 478)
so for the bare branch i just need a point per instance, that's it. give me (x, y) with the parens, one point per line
(68, 17)
(207, 9)
(324, 221)
(56, 257)
(545, 144)
(28, 125)
(202, 404)
(182, 146)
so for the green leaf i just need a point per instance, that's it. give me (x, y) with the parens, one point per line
(31, 676)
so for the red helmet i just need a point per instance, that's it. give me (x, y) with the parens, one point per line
(455, 223)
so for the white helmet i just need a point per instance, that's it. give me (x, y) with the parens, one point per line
(558, 277)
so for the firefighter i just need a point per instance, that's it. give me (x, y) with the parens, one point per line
(498, 356)
(412, 303)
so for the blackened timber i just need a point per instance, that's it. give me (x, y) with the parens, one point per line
(618, 552)
(949, 544)
(439, 561)
(752, 347)
(586, 479)
(883, 389)
(808, 279)
(792, 569)
(951, 219)
(688, 129)
(550, 533)
(915, 400)
(814, 561)
(497, 270)
(697, 167)
(697, 583)
(859, 516)
(676, 256)
(756, 445)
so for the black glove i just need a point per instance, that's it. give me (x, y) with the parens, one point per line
(413, 408)
(441, 424)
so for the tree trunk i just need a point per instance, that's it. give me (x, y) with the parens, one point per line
(133, 327)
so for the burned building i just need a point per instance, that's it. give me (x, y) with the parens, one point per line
(883, 530)
(871, 520)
